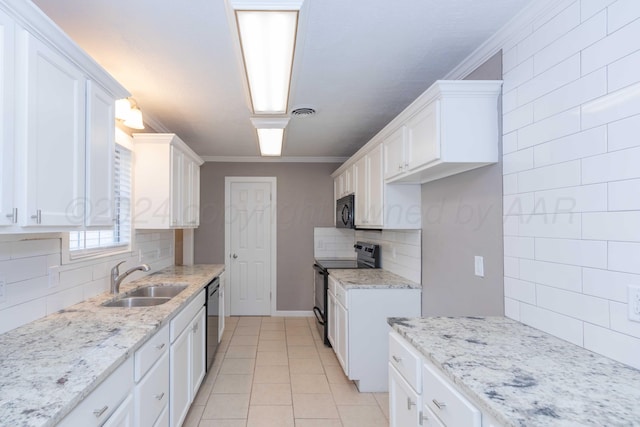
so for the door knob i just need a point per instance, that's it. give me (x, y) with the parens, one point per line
(234, 256)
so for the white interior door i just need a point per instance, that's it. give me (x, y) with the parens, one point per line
(249, 240)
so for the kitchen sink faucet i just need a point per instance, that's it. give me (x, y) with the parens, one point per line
(117, 278)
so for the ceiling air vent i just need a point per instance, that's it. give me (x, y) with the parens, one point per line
(303, 112)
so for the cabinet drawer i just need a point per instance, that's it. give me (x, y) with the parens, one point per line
(341, 296)
(152, 394)
(447, 403)
(100, 404)
(184, 318)
(151, 351)
(429, 419)
(405, 360)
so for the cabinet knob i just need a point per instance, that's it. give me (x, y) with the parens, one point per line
(399, 167)
(99, 412)
(159, 396)
(410, 403)
(397, 359)
(439, 405)
(195, 328)
(160, 346)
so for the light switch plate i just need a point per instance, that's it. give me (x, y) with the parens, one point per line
(54, 276)
(3, 292)
(479, 266)
(634, 302)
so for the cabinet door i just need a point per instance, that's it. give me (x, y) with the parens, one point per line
(100, 151)
(348, 181)
(375, 183)
(7, 204)
(55, 137)
(360, 179)
(330, 315)
(342, 336)
(221, 311)
(404, 402)
(423, 136)
(198, 351)
(179, 378)
(123, 416)
(177, 160)
(394, 153)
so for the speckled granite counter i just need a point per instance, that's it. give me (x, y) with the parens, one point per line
(48, 366)
(525, 377)
(371, 278)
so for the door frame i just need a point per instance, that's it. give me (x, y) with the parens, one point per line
(228, 180)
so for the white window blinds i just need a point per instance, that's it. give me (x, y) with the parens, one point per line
(90, 242)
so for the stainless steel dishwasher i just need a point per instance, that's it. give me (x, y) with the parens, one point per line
(213, 310)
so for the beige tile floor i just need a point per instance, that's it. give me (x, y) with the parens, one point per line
(275, 371)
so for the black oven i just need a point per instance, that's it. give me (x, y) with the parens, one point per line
(368, 256)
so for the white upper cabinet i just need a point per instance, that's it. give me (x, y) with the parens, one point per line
(167, 182)
(58, 128)
(451, 128)
(344, 184)
(8, 209)
(100, 148)
(51, 129)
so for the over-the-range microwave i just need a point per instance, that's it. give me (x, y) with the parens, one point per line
(345, 209)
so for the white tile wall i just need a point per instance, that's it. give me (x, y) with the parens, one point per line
(401, 251)
(331, 242)
(572, 174)
(25, 262)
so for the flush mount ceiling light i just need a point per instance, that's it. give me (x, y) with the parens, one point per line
(270, 134)
(267, 32)
(128, 112)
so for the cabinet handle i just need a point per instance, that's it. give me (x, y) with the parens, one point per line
(160, 346)
(422, 417)
(159, 396)
(13, 215)
(439, 405)
(397, 359)
(37, 216)
(99, 412)
(195, 328)
(410, 403)
(400, 167)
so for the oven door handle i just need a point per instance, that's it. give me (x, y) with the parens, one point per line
(318, 314)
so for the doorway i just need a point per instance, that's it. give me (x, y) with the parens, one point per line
(250, 245)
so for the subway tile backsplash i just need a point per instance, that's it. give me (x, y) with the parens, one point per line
(331, 242)
(571, 175)
(401, 251)
(25, 261)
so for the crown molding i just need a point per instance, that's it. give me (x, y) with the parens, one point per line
(257, 159)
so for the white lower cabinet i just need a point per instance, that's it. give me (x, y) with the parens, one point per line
(423, 396)
(358, 326)
(152, 393)
(98, 407)
(123, 415)
(187, 358)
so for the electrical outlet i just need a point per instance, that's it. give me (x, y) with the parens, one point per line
(634, 302)
(54, 276)
(479, 266)
(3, 294)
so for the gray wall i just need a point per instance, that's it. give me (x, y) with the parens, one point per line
(305, 201)
(462, 217)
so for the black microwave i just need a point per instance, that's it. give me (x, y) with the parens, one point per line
(345, 211)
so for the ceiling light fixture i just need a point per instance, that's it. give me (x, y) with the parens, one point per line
(267, 32)
(270, 134)
(128, 112)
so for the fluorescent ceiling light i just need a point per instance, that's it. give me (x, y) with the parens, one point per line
(270, 141)
(267, 38)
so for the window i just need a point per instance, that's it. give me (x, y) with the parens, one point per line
(94, 242)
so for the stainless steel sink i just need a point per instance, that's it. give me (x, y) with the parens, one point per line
(158, 291)
(129, 302)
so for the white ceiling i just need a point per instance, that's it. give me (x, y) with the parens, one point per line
(358, 63)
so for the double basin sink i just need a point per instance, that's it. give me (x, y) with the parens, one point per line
(147, 296)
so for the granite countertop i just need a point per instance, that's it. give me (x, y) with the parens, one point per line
(371, 278)
(48, 366)
(526, 377)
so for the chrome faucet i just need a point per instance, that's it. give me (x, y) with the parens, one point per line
(117, 278)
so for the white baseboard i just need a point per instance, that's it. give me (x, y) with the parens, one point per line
(292, 313)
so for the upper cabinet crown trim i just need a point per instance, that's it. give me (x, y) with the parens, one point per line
(168, 138)
(34, 20)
